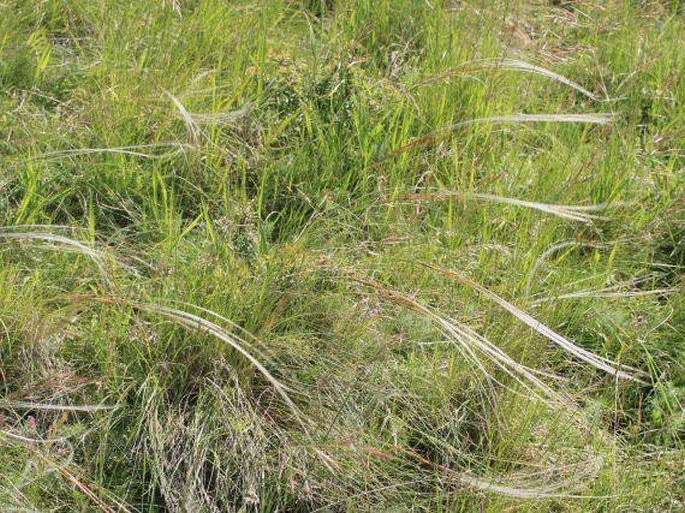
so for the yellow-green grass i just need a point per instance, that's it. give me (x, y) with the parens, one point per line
(382, 255)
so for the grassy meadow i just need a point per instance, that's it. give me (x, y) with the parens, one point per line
(342, 255)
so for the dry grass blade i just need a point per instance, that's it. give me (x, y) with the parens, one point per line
(194, 322)
(597, 361)
(30, 405)
(550, 251)
(521, 492)
(262, 350)
(221, 118)
(87, 491)
(602, 118)
(569, 212)
(56, 242)
(70, 473)
(501, 489)
(193, 119)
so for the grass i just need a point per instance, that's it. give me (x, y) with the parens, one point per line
(342, 256)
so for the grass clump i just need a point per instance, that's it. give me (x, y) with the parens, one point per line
(341, 256)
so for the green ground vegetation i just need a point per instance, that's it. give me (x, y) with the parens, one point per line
(371, 255)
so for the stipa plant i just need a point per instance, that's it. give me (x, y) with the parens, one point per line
(489, 361)
(581, 213)
(214, 455)
(149, 431)
(476, 349)
(167, 433)
(165, 436)
(266, 327)
(195, 322)
(508, 65)
(597, 361)
(445, 133)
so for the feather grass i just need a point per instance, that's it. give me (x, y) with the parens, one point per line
(579, 213)
(509, 65)
(613, 368)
